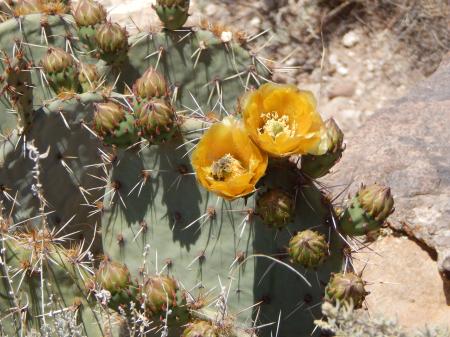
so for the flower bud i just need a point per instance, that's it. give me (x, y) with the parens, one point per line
(56, 60)
(114, 125)
(308, 248)
(156, 120)
(377, 201)
(62, 74)
(328, 153)
(107, 117)
(334, 137)
(89, 13)
(88, 77)
(200, 329)
(113, 276)
(346, 287)
(112, 42)
(160, 294)
(151, 85)
(172, 13)
(276, 208)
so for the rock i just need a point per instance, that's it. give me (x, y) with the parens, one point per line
(407, 147)
(342, 109)
(341, 69)
(337, 65)
(404, 283)
(343, 89)
(350, 39)
(255, 22)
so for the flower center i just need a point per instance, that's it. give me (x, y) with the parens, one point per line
(275, 125)
(226, 167)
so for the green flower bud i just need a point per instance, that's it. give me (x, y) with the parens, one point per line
(114, 125)
(156, 120)
(328, 154)
(151, 85)
(172, 13)
(346, 287)
(107, 117)
(160, 294)
(56, 60)
(308, 248)
(88, 77)
(276, 208)
(89, 13)
(61, 71)
(334, 136)
(112, 42)
(377, 201)
(200, 329)
(113, 276)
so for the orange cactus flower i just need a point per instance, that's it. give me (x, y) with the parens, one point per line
(227, 162)
(282, 120)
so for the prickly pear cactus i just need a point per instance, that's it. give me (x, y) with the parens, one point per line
(155, 184)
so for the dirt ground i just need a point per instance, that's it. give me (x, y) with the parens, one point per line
(356, 56)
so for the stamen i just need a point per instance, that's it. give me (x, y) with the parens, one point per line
(226, 167)
(275, 125)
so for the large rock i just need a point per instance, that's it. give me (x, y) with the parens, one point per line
(407, 146)
(404, 284)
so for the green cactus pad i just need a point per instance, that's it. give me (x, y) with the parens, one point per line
(61, 129)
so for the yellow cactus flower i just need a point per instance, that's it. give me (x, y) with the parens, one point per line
(227, 162)
(282, 120)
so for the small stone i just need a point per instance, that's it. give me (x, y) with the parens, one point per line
(342, 89)
(350, 39)
(341, 69)
(255, 22)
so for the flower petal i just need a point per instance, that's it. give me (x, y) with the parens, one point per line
(229, 139)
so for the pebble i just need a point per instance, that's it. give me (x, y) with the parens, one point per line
(341, 69)
(344, 88)
(350, 39)
(255, 22)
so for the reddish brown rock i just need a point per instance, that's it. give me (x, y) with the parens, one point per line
(407, 146)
